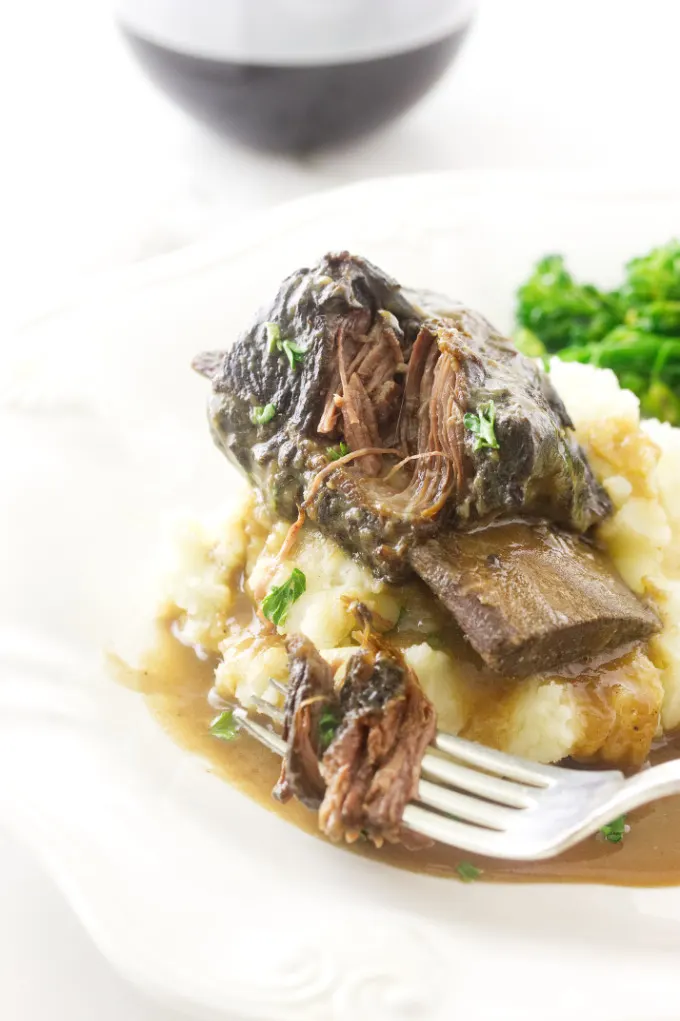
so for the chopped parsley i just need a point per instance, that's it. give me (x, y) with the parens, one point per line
(335, 453)
(261, 415)
(273, 334)
(468, 872)
(277, 603)
(481, 425)
(328, 728)
(614, 831)
(293, 352)
(225, 726)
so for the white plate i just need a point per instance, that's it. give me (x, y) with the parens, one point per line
(189, 888)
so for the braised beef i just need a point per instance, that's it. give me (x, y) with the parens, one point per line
(355, 754)
(380, 370)
(401, 379)
(310, 696)
(532, 598)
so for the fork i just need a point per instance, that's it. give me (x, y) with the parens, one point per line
(491, 803)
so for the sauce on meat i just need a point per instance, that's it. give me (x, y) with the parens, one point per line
(176, 685)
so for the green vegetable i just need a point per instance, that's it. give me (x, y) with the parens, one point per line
(273, 333)
(655, 276)
(293, 352)
(634, 330)
(625, 349)
(279, 600)
(646, 363)
(335, 453)
(634, 381)
(261, 415)
(656, 317)
(328, 728)
(614, 831)
(481, 425)
(225, 726)
(468, 872)
(561, 312)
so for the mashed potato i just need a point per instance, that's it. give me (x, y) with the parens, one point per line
(608, 716)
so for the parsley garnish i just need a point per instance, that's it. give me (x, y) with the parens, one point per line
(613, 831)
(328, 727)
(482, 426)
(273, 333)
(335, 453)
(261, 415)
(277, 603)
(225, 726)
(468, 872)
(293, 352)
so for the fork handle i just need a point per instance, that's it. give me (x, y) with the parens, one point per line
(658, 782)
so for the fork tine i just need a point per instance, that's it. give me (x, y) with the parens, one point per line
(265, 707)
(465, 808)
(267, 737)
(474, 782)
(500, 830)
(500, 763)
(449, 831)
(474, 754)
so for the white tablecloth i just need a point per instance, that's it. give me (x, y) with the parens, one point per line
(100, 170)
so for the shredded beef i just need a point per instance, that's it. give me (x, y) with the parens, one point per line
(355, 753)
(310, 694)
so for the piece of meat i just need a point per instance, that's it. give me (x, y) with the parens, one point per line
(355, 754)
(310, 695)
(383, 369)
(460, 365)
(372, 767)
(360, 422)
(349, 318)
(531, 598)
(336, 312)
(386, 400)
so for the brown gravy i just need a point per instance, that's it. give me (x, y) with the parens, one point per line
(176, 683)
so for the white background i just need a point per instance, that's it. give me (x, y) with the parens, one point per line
(99, 170)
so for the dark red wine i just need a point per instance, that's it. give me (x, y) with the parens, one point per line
(295, 75)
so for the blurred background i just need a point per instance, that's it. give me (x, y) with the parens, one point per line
(105, 166)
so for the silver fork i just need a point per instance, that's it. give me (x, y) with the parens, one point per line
(481, 800)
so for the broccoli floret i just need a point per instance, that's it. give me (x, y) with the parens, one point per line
(656, 317)
(646, 363)
(635, 331)
(561, 312)
(626, 350)
(655, 276)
